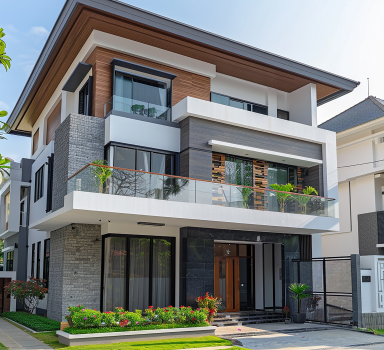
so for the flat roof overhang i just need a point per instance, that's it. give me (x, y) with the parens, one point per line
(79, 17)
(95, 208)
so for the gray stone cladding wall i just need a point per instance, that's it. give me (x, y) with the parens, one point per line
(313, 176)
(75, 269)
(79, 140)
(371, 232)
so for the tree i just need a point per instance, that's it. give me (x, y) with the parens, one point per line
(6, 62)
(102, 173)
(303, 200)
(298, 291)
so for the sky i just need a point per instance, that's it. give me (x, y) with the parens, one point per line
(343, 37)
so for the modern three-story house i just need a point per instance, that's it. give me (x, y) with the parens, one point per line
(189, 130)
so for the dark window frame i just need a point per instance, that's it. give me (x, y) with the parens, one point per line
(47, 243)
(38, 260)
(85, 94)
(9, 263)
(240, 100)
(282, 110)
(175, 160)
(173, 264)
(39, 183)
(33, 260)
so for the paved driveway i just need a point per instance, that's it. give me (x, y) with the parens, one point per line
(300, 337)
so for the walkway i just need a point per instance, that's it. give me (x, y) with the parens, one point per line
(300, 337)
(16, 339)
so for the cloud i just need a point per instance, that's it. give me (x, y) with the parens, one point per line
(39, 31)
(4, 106)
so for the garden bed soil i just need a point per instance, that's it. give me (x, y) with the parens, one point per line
(119, 337)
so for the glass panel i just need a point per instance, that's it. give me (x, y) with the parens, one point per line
(124, 158)
(162, 273)
(158, 163)
(115, 262)
(238, 171)
(246, 284)
(143, 161)
(223, 100)
(260, 109)
(282, 114)
(149, 91)
(222, 283)
(236, 104)
(139, 274)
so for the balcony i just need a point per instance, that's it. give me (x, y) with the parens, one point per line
(134, 183)
(136, 107)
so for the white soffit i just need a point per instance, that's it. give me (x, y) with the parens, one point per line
(262, 154)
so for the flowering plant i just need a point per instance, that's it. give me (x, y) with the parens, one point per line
(286, 311)
(87, 318)
(209, 303)
(28, 293)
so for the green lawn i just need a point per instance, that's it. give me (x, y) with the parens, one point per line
(2, 347)
(51, 339)
(35, 322)
(379, 331)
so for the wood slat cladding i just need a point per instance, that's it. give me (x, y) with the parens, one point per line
(35, 141)
(53, 123)
(218, 167)
(85, 20)
(260, 180)
(185, 84)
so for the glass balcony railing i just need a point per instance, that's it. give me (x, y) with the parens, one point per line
(123, 104)
(133, 183)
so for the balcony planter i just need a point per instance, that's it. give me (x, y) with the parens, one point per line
(129, 336)
(299, 317)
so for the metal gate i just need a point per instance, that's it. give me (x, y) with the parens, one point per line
(330, 282)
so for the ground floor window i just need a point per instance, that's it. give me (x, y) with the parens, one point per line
(10, 261)
(138, 272)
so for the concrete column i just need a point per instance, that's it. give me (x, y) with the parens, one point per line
(303, 105)
(356, 289)
(272, 102)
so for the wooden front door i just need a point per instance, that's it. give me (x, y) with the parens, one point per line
(227, 282)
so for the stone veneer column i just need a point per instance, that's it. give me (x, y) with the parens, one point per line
(75, 269)
(79, 140)
(356, 289)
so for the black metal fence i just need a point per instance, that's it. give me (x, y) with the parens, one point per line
(330, 284)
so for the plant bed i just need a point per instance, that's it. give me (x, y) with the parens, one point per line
(128, 336)
(35, 322)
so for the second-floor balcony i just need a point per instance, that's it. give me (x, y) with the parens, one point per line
(109, 195)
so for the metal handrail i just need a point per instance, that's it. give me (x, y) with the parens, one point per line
(189, 178)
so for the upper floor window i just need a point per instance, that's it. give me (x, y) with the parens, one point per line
(85, 98)
(35, 141)
(38, 260)
(39, 183)
(282, 114)
(9, 265)
(136, 159)
(234, 102)
(142, 95)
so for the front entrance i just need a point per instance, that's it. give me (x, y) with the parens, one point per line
(249, 276)
(234, 276)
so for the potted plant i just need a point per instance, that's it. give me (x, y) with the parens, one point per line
(298, 293)
(284, 194)
(102, 173)
(303, 200)
(286, 312)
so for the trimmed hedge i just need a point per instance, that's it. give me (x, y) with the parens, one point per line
(73, 330)
(35, 322)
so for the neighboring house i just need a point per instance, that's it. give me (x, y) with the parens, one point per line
(360, 159)
(206, 125)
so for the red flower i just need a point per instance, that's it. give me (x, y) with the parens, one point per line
(170, 306)
(194, 319)
(198, 309)
(192, 312)
(150, 307)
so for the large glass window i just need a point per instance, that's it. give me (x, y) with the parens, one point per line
(39, 183)
(47, 249)
(143, 95)
(129, 158)
(238, 171)
(149, 268)
(281, 174)
(9, 265)
(234, 102)
(38, 260)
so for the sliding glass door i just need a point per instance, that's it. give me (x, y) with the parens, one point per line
(141, 278)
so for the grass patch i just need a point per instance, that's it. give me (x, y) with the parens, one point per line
(127, 329)
(166, 344)
(3, 347)
(35, 322)
(379, 331)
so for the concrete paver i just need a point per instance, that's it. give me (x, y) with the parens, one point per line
(273, 336)
(16, 339)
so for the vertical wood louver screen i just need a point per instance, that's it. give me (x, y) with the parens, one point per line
(53, 122)
(35, 141)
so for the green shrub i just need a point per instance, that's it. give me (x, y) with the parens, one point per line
(73, 330)
(109, 319)
(87, 318)
(35, 322)
(130, 318)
